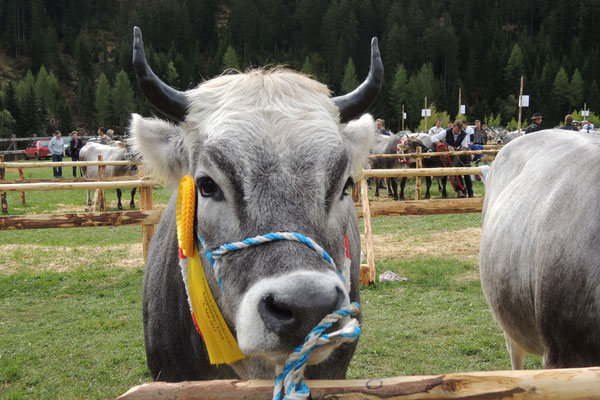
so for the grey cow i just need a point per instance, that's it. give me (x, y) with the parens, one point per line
(269, 151)
(540, 252)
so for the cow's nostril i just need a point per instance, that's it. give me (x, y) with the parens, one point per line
(275, 314)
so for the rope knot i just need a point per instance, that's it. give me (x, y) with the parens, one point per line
(289, 385)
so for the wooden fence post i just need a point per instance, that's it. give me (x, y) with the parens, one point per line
(145, 205)
(367, 273)
(99, 194)
(22, 176)
(419, 179)
(3, 195)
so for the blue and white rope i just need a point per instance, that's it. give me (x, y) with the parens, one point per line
(289, 385)
(215, 255)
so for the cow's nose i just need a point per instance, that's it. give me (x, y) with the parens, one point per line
(297, 313)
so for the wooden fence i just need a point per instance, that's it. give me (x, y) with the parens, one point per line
(560, 384)
(146, 216)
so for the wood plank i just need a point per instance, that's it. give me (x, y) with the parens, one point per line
(3, 201)
(408, 172)
(49, 164)
(147, 229)
(423, 207)
(436, 154)
(560, 384)
(35, 187)
(22, 176)
(419, 179)
(77, 220)
(367, 278)
(68, 180)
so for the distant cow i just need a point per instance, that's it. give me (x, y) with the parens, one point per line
(91, 151)
(540, 251)
(269, 151)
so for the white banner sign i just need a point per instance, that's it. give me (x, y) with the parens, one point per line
(463, 109)
(585, 113)
(525, 101)
(404, 115)
(424, 110)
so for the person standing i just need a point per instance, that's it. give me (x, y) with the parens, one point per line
(380, 128)
(75, 145)
(536, 125)
(437, 128)
(588, 126)
(57, 149)
(458, 139)
(102, 138)
(478, 140)
(568, 126)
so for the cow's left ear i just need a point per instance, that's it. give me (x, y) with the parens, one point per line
(359, 135)
(161, 145)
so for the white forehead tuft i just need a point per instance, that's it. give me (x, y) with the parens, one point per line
(279, 103)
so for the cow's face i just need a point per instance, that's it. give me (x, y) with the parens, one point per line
(268, 155)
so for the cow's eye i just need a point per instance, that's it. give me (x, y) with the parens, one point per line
(349, 184)
(207, 187)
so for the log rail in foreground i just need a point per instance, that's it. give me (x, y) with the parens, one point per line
(562, 384)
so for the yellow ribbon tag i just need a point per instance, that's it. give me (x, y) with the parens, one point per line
(220, 343)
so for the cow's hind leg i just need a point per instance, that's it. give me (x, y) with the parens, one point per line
(428, 183)
(132, 202)
(402, 184)
(394, 188)
(88, 200)
(119, 205)
(444, 192)
(515, 351)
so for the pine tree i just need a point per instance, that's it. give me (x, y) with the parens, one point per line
(6, 123)
(10, 101)
(230, 59)
(172, 75)
(122, 98)
(577, 89)
(515, 67)
(399, 91)
(102, 104)
(24, 86)
(64, 115)
(29, 122)
(350, 80)
(307, 67)
(561, 90)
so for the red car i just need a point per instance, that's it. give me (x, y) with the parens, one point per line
(39, 149)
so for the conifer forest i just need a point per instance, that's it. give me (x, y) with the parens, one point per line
(66, 64)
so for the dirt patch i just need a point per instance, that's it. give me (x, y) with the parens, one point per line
(62, 258)
(462, 243)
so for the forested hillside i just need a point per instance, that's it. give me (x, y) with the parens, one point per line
(67, 63)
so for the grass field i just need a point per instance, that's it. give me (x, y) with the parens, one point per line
(70, 302)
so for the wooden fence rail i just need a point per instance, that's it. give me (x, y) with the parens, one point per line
(77, 220)
(65, 164)
(435, 154)
(560, 384)
(32, 187)
(414, 172)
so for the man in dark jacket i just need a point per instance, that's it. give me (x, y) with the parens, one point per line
(568, 126)
(457, 138)
(536, 125)
(75, 145)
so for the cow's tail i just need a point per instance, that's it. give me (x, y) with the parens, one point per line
(84, 171)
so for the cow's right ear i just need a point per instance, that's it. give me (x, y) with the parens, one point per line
(161, 146)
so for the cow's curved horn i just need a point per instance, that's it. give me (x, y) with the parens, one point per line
(355, 103)
(167, 100)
